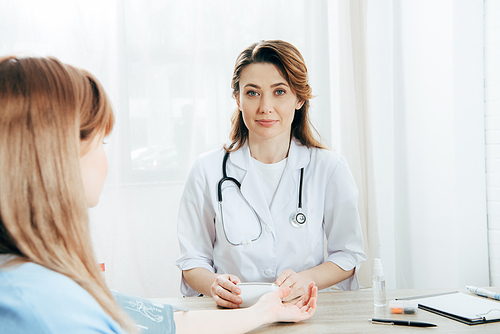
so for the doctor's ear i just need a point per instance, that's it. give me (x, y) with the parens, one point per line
(300, 103)
(237, 98)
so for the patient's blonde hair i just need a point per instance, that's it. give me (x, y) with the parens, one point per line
(46, 109)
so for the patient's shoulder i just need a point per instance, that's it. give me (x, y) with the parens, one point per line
(36, 299)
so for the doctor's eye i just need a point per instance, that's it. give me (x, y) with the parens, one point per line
(252, 93)
(280, 92)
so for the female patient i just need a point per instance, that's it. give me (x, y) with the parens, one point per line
(53, 118)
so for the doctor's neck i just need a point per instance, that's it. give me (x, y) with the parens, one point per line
(269, 150)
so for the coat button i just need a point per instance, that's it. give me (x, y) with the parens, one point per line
(268, 272)
(268, 229)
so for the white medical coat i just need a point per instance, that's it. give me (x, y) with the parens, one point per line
(329, 200)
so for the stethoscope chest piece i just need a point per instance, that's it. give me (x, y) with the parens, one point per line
(298, 219)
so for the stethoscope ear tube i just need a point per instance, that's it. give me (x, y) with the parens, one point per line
(300, 189)
(219, 197)
(225, 178)
(298, 218)
(246, 241)
(219, 186)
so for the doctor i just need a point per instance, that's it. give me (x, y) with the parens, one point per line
(259, 210)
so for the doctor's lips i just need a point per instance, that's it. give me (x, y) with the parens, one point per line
(266, 122)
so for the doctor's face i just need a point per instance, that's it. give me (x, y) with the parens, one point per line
(94, 169)
(267, 102)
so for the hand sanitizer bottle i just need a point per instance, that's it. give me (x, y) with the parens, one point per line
(379, 297)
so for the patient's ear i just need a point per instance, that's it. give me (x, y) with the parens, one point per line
(93, 168)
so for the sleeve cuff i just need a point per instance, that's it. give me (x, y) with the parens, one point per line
(347, 262)
(186, 290)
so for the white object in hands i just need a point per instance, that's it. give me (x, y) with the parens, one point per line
(251, 292)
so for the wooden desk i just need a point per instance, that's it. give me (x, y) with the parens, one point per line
(350, 311)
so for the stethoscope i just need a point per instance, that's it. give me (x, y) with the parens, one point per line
(297, 218)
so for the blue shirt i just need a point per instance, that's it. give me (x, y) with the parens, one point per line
(34, 299)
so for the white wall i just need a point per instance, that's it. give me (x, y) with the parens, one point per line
(426, 95)
(492, 123)
(144, 249)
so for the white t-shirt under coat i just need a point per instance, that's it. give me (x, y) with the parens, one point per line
(270, 177)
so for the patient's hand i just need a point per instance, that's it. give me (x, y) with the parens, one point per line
(295, 281)
(295, 311)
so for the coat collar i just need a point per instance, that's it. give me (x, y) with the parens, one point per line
(298, 156)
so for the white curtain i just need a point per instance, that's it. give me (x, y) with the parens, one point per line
(492, 125)
(167, 67)
(426, 82)
(400, 93)
(355, 119)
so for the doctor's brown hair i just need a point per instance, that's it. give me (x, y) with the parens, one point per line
(46, 109)
(290, 63)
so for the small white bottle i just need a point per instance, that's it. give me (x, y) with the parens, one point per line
(379, 297)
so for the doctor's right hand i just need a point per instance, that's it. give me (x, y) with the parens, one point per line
(225, 292)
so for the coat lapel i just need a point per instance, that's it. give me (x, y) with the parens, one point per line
(250, 184)
(288, 188)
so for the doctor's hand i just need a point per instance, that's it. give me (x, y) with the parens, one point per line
(295, 281)
(225, 291)
(275, 310)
